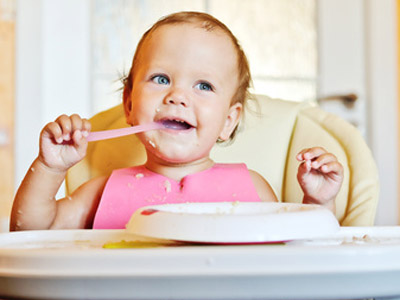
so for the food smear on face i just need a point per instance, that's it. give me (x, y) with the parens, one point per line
(152, 143)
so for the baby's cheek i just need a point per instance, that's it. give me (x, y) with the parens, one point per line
(149, 138)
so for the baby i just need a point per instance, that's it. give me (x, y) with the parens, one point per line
(188, 71)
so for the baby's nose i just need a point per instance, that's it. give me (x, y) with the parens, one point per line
(177, 99)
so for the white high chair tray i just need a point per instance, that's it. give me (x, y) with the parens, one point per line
(233, 222)
(358, 262)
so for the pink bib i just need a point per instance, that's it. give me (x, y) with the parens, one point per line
(132, 188)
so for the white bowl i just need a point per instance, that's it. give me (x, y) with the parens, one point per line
(233, 222)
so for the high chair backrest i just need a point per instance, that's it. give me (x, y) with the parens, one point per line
(273, 132)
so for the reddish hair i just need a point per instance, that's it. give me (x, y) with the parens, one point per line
(209, 23)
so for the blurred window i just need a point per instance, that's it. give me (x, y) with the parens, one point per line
(279, 38)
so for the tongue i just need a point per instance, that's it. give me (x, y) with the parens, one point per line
(176, 125)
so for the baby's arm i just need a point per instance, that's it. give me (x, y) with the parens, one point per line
(263, 188)
(78, 210)
(62, 145)
(320, 176)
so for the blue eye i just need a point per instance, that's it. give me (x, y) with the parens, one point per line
(160, 79)
(204, 86)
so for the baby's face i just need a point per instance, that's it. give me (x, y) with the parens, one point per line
(186, 78)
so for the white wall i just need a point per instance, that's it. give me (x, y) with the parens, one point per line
(342, 68)
(53, 69)
(358, 47)
(381, 29)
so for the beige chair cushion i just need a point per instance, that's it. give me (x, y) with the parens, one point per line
(357, 201)
(273, 132)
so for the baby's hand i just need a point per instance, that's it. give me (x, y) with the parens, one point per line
(63, 142)
(320, 176)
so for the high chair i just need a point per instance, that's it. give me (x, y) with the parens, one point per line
(272, 133)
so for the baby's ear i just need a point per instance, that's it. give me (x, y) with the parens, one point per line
(232, 119)
(127, 102)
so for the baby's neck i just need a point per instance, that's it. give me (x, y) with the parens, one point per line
(177, 171)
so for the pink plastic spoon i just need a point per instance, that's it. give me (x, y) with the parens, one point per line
(114, 133)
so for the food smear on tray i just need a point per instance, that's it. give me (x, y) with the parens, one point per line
(140, 244)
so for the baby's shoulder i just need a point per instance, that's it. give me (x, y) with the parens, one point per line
(264, 190)
(92, 186)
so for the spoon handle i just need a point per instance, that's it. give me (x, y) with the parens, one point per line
(114, 133)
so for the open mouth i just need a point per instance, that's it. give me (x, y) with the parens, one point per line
(176, 124)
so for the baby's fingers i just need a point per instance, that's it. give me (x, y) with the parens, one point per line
(65, 124)
(304, 167)
(310, 153)
(80, 143)
(79, 124)
(328, 164)
(323, 159)
(333, 167)
(53, 131)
